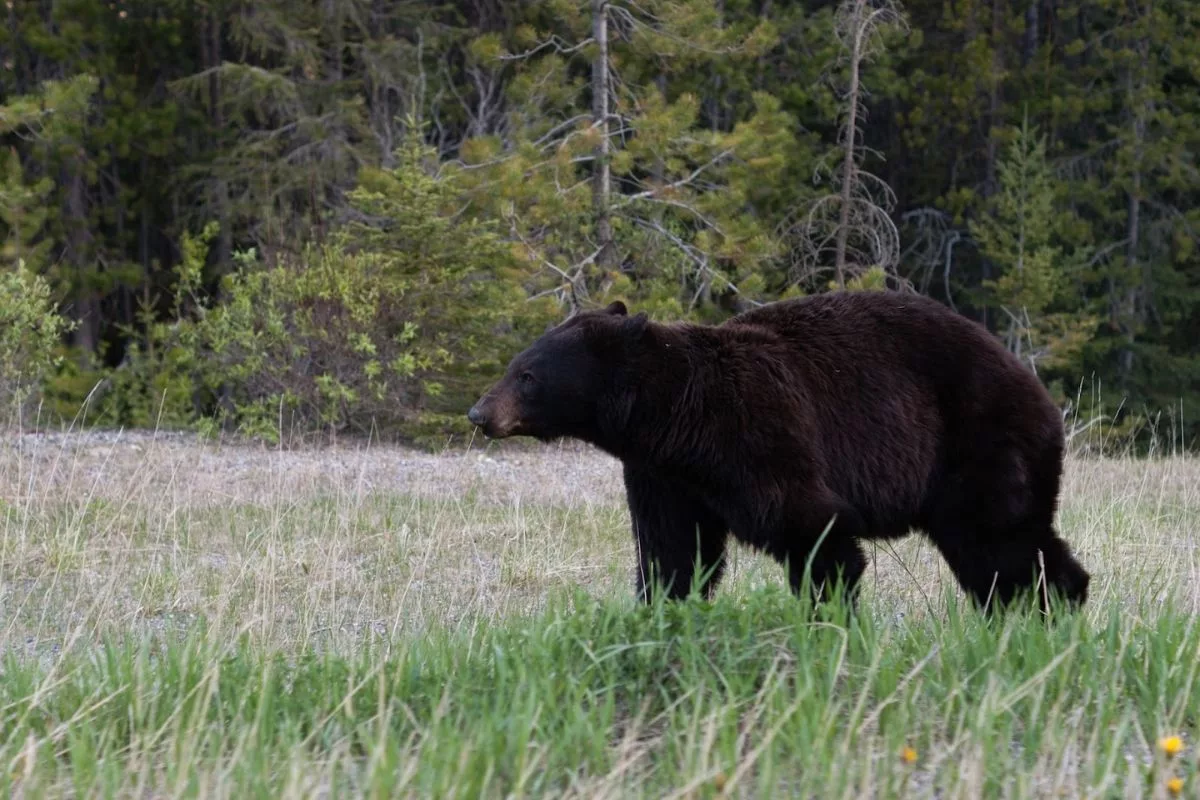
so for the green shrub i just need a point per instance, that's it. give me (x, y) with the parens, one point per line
(325, 342)
(30, 330)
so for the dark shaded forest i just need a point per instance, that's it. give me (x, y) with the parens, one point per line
(345, 215)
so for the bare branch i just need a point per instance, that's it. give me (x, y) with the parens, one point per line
(554, 42)
(627, 199)
(698, 256)
(704, 267)
(544, 138)
(1103, 252)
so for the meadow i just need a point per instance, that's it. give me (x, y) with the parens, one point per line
(191, 619)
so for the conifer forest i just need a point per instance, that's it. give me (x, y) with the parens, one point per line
(347, 215)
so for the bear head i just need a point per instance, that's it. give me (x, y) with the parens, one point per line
(568, 383)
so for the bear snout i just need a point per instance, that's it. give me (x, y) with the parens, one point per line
(476, 416)
(494, 416)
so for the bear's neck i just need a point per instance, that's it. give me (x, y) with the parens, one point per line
(668, 393)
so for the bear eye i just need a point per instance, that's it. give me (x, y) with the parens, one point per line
(526, 378)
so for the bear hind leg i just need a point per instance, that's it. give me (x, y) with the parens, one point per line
(1064, 574)
(994, 524)
(996, 567)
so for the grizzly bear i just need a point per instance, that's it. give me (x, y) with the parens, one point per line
(804, 427)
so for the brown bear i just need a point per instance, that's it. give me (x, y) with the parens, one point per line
(804, 427)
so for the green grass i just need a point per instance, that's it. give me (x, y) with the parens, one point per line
(181, 621)
(600, 697)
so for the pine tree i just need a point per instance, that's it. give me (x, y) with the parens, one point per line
(609, 182)
(281, 86)
(1019, 235)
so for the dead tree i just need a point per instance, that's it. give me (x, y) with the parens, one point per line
(852, 224)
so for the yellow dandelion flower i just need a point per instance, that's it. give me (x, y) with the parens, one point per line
(1171, 745)
(1175, 786)
(909, 755)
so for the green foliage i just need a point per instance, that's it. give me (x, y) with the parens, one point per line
(56, 105)
(1017, 235)
(681, 217)
(23, 213)
(402, 307)
(1019, 232)
(30, 328)
(874, 279)
(48, 117)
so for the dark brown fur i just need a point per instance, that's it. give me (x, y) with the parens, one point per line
(880, 412)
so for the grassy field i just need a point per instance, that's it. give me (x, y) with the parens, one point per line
(227, 621)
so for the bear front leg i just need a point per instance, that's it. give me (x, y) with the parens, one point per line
(675, 535)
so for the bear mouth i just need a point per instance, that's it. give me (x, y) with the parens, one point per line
(494, 430)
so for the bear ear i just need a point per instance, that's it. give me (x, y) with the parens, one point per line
(616, 307)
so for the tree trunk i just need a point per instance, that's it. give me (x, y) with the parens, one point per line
(1131, 307)
(602, 178)
(1135, 304)
(658, 168)
(211, 47)
(994, 96)
(87, 333)
(848, 157)
(1145, 111)
(716, 101)
(144, 249)
(124, 293)
(1031, 32)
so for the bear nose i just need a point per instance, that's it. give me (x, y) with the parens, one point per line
(475, 415)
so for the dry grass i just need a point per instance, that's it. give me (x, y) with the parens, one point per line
(113, 532)
(122, 531)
